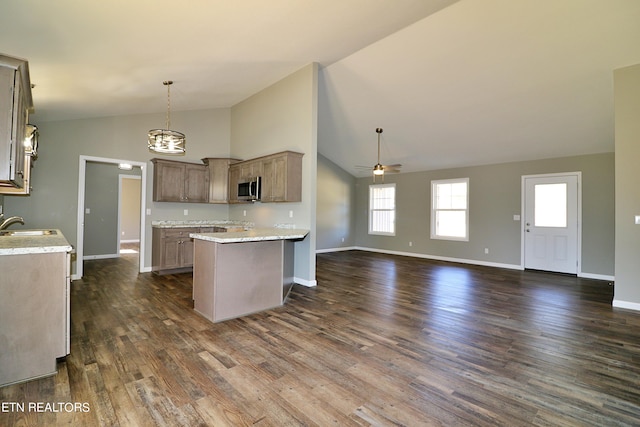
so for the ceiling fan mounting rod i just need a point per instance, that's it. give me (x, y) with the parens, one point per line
(378, 131)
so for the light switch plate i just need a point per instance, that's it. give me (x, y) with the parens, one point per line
(638, 219)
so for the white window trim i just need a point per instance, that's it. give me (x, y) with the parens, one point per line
(382, 233)
(435, 236)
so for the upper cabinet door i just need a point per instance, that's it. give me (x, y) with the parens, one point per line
(168, 181)
(15, 104)
(180, 182)
(196, 183)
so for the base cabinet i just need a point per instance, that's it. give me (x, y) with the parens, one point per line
(34, 315)
(172, 248)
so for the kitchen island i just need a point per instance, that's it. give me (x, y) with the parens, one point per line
(34, 308)
(239, 273)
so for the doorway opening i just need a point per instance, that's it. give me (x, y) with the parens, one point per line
(551, 227)
(128, 233)
(82, 211)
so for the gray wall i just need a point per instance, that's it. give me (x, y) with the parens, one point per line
(54, 200)
(101, 201)
(335, 206)
(494, 200)
(627, 135)
(278, 118)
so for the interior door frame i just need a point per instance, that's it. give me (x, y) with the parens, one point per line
(82, 171)
(578, 175)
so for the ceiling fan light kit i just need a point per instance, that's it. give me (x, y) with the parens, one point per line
(167, 141)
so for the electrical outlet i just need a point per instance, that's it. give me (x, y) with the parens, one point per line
(244, 212)
(486, 250)
(186, 212)
(290, 214)
(410, 244)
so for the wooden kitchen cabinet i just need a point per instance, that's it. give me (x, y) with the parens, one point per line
(180, 182)
(250, 169)
(234, 178)
(15, 104)
(219, 178)
(172, 248)
(282, 177)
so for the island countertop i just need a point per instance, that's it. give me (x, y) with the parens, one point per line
(253, 235)
(25, 243)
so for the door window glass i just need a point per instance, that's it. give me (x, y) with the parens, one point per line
(550, 202)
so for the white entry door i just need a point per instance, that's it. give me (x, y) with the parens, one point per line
(551, 222)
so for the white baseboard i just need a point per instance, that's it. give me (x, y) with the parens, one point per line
(597, 276)
(626, 304)
(305, 282)
(104, 256)
(344, 248)
(442, 258)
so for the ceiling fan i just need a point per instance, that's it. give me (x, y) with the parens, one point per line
(379, 169)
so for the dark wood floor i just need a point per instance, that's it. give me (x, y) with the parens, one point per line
(383, 340)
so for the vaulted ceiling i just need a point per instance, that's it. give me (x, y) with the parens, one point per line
(453, 83)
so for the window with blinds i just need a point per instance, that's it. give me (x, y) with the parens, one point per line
(450, 209)
(382, 209)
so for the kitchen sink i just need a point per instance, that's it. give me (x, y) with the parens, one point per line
(16, 233)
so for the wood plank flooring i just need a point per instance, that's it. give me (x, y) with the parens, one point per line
(382, 341)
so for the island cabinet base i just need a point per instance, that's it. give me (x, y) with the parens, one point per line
(234, 279)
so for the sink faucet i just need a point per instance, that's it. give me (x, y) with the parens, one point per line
(5, 223)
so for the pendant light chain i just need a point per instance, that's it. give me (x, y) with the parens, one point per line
(168, 83)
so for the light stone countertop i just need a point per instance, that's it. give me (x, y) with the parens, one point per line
(200, 223)
(19, 245)
(253, 235)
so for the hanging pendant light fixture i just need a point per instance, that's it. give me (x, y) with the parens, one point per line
(167, 141)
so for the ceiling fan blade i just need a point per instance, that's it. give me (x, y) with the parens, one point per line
(397, 165)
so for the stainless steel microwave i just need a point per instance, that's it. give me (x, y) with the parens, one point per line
(249, 189)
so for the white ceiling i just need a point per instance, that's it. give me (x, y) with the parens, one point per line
(483, 82)
(104, 58)
(452, 83)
